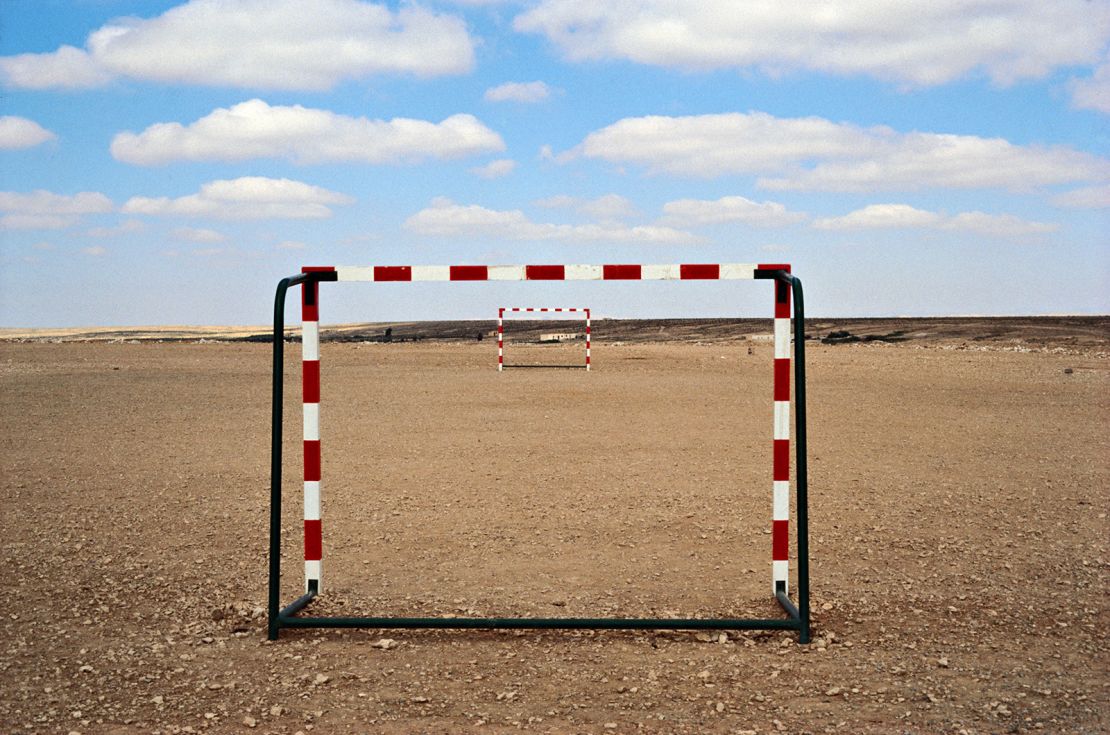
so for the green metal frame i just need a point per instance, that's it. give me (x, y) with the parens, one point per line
(797, 615)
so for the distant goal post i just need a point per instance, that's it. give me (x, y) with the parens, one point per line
(529, 312)
(788, 359)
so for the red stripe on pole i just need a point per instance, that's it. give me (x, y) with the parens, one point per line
(782, 291)
(782, 379)
(310, 299)
(782, 300)
(313, 541)
(310, 380)
(702, 271)
(544, 273)
(780, 540)
(312, 460)
(469, 273)
(392, 273)
(782, 459)
(620, 272)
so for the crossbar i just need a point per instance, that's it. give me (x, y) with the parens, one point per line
(786, 286)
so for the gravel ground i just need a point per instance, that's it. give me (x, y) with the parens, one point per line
(959, 541)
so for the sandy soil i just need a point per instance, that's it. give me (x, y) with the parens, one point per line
(959, 540)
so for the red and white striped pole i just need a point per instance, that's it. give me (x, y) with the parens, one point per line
(780, 515)
(587, 340)
(310, 381)
(500, 339)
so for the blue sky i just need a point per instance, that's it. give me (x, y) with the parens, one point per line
(168, 162)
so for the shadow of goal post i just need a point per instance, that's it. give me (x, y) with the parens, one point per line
(787, 352)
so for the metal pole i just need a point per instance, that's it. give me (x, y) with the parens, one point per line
(275, 452)
(802, 490)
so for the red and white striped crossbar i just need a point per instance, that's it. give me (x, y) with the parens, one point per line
(780, 517)
(541, 312)
(683, 272)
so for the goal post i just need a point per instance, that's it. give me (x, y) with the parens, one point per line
(789, 357)
(529, 312)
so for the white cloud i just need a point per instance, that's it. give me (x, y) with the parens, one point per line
(266, 44)
(95, 250)
(607, 208)
(255, 129)
(447, 219)
(66, 68)
(695, 212)
(495, 169)
(518, 92)
(197, 234)
(44, 210)
(918, 43)
(126, 227)
(1093, 93)
(880, 216)
(21, 221)
(1089, 197)
(250, 197)
(887, 216)
(19, 132)
(813, 153)
(998, 225)
(291, 245)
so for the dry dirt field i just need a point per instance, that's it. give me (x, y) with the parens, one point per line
(958, 532)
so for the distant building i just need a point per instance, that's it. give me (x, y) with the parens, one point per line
(559, 337)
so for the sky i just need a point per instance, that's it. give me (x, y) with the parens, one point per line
(169, 162)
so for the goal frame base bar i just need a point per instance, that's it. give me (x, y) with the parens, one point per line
(288, 618)
(798, 614)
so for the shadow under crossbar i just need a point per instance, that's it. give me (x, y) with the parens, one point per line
(797, 614)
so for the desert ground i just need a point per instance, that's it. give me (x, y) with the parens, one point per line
(959, 485)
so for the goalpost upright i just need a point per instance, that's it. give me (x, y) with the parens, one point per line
(789, 356)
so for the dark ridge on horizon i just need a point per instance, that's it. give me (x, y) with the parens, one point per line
(1037, 331)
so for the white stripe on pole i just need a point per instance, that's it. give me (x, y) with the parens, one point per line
(312, 572)
(354, 273)
(505, 273)
(737, 271)
(312, 500)
(780, 572)
(782, 339)
(310, 340)
(583, 272)
(431, 273)
(781, 509)
(660, 272)
(311, 422)
(782, 419)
